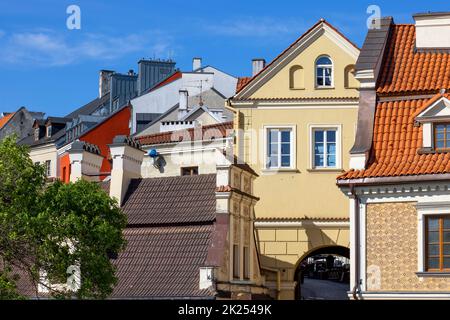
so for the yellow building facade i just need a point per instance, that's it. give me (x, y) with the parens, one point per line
(295, 123)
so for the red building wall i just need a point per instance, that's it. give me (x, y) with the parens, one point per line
(102, 135)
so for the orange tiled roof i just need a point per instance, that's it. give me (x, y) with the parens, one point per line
(396, 142)
(178, 136)
(5, 119)
(407, 70)
(242, 82)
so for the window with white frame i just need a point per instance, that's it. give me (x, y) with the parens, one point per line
(325, 147)
(324, 72)
(48, 168)
(279, 148)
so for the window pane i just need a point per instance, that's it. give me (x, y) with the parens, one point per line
(433, 250)
(446, 249)
(328, 81)
(331, 136)
(286, 148)
(331, 148)
(318, 149)
(320, 72)
(285, 161)
(318, 160)
(273, 149)
(324, 60)
(446, 223)
(433, 263)
(318, 136)
(273, 135)
(440, 144)
(440, 136)
(446, 236)
(286, 136)
(433, 237)
(440, 128)
(273, 161)
(446, 263)
(331, 160)
(319, 81)
(433, 224)
(328, 72)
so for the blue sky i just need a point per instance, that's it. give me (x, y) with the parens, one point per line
(47, 67)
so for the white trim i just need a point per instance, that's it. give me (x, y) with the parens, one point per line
(65, 148)
(362, 244)
(357, 161)
(423, 210)
(338, 103)
(311, 129)
(436, 103)
(302, 224)
(293, 144)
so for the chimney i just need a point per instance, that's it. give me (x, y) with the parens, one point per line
(150, 72)
(127, 159)
(104, 82)
(183, 103)
(432, 30)
(85, 161)
(257, 65)
(196, 63)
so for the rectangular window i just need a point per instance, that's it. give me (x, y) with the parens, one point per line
(49, 131)
(236, 262)
(36, 134)
(189, 171)
(438, 243)
(442, 136)
(246, 263)
(47, 168)
(279, 148)
(324, 145)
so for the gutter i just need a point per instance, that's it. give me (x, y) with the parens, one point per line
(394, 180)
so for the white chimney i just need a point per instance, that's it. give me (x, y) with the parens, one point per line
(196, 63)
(257, 65)
(127, 160)
(432, 30)
(183, 103)
(85, 161)
(104, 82)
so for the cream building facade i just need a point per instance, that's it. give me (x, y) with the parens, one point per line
(295, 123)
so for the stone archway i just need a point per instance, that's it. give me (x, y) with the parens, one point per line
(325, 251)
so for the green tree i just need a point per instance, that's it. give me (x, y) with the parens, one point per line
(54, 229)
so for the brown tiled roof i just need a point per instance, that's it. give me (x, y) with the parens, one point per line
(178, 136)
(242, 82)
(163, 262)
(168, 200)
(396, 143)
(407, 70)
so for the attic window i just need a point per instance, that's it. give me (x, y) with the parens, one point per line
(36, 134)
(49, 131)
(324, 72)
(442, 136)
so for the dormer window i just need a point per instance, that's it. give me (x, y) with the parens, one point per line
(324, 72)
(49, 131)
(36, 134)
(442, 136)
(434, 117)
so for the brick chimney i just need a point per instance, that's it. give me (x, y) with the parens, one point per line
(432, 30)
(85, 161)
(257, 65)
(104, 82)
(127, 159)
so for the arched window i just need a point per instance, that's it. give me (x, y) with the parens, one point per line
(296, 77)
(324, 72)
(349, 81)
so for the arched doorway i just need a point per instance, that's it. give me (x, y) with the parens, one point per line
(323, 273)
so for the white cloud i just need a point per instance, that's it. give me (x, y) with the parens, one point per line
(48, 48)
(255, 27)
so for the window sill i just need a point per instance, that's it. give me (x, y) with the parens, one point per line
(433, 274)
(296, 88)
(324, 88)
(427, 150)
(279, 170)
(241, 282)
(339, 170)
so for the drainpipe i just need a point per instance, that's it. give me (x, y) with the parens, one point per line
(356, 288)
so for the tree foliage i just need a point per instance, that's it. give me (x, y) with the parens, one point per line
(47, 228)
